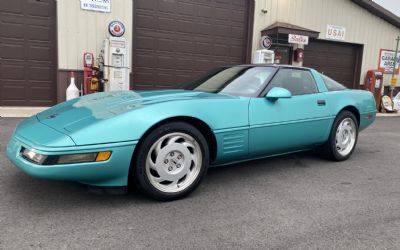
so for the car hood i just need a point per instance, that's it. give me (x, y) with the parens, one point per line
(84, 111)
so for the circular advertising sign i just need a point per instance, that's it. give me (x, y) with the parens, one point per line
(116, 28)
(266, 42)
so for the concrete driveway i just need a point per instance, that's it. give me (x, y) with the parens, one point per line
(293, 202)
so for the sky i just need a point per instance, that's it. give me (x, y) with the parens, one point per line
(391, 5)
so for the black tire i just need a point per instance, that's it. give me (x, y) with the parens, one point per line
(329, 149)
(138, 174)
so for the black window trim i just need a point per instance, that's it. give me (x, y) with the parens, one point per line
(265, 84)
(264, 90)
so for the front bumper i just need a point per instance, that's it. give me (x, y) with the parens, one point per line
(113, 172)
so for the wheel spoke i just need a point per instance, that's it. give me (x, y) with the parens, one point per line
(339, 140)
(194, 158)
(158, 148)
(173, 139)
(339, 130)
(188, 144)
(173, 184)
(152, 164)
(157, 179)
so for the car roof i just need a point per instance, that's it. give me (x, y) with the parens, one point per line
(271, 65)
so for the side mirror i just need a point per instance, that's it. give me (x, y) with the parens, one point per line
(277, 92)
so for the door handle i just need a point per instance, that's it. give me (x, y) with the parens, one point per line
(321, 102)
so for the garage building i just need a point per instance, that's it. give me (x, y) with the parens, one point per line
(173, 41)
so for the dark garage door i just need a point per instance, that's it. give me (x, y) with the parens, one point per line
(27, 53)
(340, 61)
(175, 40)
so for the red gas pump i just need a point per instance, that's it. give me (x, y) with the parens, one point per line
(298, 55)
(88, 61)
(374, 83)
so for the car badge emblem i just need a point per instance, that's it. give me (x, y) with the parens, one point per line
(51, 116)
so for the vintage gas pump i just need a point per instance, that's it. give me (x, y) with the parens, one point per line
(116, 64)
(88, 62)
(374, 83)
(91, 73)
(115, 59)
(298, 55)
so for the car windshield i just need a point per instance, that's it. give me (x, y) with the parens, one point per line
(237, 80)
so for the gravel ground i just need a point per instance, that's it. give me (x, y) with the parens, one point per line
(297, 201)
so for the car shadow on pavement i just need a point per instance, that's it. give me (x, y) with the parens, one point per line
(240, 173)
(30, 191)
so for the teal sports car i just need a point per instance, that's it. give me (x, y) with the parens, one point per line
(163, 141)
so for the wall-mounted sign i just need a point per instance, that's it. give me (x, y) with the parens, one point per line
(116, 28)
(266, 42)
(335, 32)
(386, 63)
(298, 39)
(96, 5)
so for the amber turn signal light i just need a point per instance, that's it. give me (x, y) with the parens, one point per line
(103, 156)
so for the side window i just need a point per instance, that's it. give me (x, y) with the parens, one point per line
(332, 85)
(297, 81)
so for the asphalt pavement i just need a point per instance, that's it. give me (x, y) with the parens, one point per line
(297, 201)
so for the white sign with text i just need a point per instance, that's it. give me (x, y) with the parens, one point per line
(96, 5)
(386, 61)
(298, 39)
(335, 32)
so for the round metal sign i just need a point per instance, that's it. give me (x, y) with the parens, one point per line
(266, 42)
(116, 28)
(387, 103)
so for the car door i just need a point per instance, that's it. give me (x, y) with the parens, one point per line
(288, 124)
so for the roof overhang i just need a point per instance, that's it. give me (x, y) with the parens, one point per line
(287, 28)
(379, 11)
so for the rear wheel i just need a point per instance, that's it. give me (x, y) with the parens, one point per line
(171, 161)
(343, 137)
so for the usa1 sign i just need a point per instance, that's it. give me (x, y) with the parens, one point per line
(335, 32)
(386, 58)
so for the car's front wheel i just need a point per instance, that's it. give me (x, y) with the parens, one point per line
(343, 137)
(171, 161)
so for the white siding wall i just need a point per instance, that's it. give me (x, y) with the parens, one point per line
(362, 27)
(82, 31)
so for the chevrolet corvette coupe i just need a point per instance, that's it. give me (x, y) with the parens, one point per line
(163, 141)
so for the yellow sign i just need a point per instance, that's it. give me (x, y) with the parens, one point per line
(393, 81)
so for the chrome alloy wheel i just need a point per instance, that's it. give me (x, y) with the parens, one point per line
(346, 136)
(173, 162)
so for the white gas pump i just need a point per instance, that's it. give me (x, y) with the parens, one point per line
(264, 56)
(116, 64)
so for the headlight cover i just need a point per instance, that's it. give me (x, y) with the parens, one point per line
(33, 156)
(64, 159)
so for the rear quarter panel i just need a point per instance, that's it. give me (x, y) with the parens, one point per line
(362, 100)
